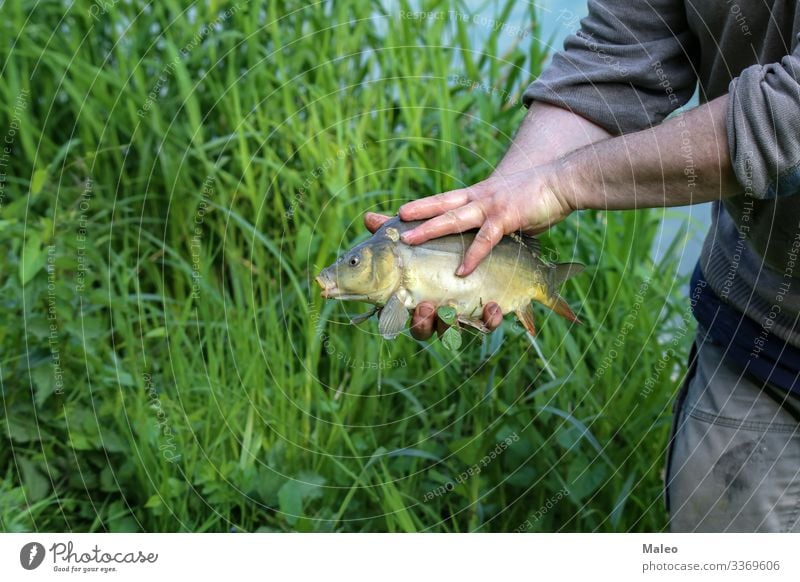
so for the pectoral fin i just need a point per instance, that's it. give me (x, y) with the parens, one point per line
(476, 323)
(356, 319)
(393, 317)
(525, 316)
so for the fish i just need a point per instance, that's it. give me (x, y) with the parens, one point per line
(396, 277)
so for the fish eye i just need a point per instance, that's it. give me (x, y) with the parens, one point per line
(354, 260)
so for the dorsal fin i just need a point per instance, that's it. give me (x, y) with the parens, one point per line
(529, 242)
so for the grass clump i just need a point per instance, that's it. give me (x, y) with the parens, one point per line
(179, 175)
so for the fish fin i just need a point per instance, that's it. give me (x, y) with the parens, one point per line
(393, 317)
(476, 323)
(525, 316)
(361, 318)
(529, 242)
(563, 271)
(559, 305)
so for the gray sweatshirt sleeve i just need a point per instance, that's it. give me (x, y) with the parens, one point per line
(628, 67)
(764, 127)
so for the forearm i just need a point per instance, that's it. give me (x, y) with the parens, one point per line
(684, 160)
(546, 133)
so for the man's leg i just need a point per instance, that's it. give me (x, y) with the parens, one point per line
(734, 457)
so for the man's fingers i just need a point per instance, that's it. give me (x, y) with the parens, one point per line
(492, 315)
(452, 221)
(489, 235)
(434, 205)
(373, 220)
(422, 321)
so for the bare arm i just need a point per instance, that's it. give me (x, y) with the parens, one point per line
(546, 133)
(685, 160)
(639, 170)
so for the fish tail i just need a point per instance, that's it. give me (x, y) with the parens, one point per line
(564, 271)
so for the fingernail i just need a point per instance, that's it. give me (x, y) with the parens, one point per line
(460, 271)
(406, 237)
(426, 311)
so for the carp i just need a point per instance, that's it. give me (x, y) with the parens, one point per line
(396, 277)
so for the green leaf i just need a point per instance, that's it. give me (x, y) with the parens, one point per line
(120, 519)
(584, 477)
(290, 502)
(568, 436)
(622, 498)
(123, 524)
(86, 327)
(412, 452)
(295, 492)
(451, 339)
(37, 181)
(44, 379)
(37, 486)
(112, 442)
(522, 477)
(33, 257)
(447, 314)
(267, 486)
(468, 449)
(80, 441)
(108, 480)
(156, 332)
(21, 430)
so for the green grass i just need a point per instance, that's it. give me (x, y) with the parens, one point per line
(164, 246)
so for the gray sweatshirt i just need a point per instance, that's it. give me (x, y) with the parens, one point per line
(633, 62)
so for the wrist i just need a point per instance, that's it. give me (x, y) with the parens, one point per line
(565, 182)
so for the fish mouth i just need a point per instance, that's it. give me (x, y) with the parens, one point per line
(329, 288)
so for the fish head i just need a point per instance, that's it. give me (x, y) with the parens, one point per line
(368, 272)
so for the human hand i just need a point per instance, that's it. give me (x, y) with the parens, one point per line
(424, 319)
(532, 200)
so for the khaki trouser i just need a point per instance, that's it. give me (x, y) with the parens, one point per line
(733, 463)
